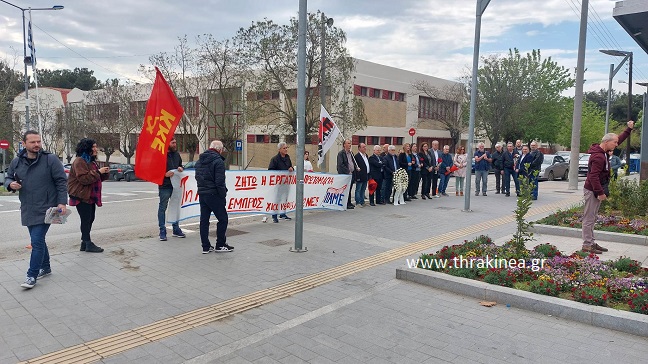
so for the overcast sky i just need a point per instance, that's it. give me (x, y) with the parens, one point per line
(434, 37)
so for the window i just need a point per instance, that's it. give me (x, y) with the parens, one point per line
(137, 109)
(388, 140)
(375, 140)
(275, 94)
(376, 93)
(259, 138)
(430, 108)
(274, 139)
(362, 139)
(390, 95)
(401, 97)
(398, 141)
(259, 96)
(190, 106)
(290, 139)
(364, 91)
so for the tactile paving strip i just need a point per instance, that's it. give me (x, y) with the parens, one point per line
(104, 347)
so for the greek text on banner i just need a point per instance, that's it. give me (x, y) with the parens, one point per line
(261, 192)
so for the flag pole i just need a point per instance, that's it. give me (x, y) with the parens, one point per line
(32, 48)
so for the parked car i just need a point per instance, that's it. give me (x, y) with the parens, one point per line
(129, 175)
(66, 168)
(583, 165)
(190, 165)
(565, 154)
(554, 166)
(117, 171)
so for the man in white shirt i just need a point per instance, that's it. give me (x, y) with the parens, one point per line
(362, 176)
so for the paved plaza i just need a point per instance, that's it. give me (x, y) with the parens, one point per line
(148, 301)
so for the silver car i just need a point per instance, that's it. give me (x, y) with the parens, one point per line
(554, 166)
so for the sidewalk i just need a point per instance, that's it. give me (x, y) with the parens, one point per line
(338, 302)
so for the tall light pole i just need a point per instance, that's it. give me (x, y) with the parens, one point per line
(25, 59)
(628, 57)
(643, 170)
(613, 72)
(301, 126)
(578, 99)
(325, 22)
(481, 7)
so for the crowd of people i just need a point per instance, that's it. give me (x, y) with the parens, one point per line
(429, 170)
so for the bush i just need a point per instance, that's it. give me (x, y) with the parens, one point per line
(591, 295)
(547, 287)
(629, 197)
(547, 250)
(625, 264)
(500, 277)
(639, 302)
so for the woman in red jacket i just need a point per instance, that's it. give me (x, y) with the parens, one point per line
(84, 188)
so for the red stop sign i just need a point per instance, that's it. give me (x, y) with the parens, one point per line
(4, 144)
(412, 131)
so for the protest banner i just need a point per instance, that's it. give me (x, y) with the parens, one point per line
(261, 192)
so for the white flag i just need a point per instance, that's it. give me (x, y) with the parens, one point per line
(30, 42)
(328, 132)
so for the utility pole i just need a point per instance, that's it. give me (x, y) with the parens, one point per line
(578, 100)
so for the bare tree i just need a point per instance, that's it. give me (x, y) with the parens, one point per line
(446, 105)
(268, 52)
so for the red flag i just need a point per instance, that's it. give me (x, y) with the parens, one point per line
(163, 113)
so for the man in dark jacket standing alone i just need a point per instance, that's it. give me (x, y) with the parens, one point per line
(165, 190)
(595, 189)
(210, 177)
(40, 180)
(281, 162)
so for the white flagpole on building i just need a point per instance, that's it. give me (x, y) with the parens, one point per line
(32, 48)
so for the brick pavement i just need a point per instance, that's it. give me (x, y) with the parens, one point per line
(364, 316)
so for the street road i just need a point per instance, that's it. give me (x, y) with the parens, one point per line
(129, 213)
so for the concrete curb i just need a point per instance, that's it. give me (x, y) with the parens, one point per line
(624, 321)
(600, 235)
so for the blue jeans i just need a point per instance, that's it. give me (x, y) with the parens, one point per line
(443, 182)
(534, 179)
(361, 187)
(483, 176)
(165, 195)
(40, 254)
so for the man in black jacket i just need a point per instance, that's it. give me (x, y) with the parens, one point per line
(535, 167)
(210, 177)
(390, 165)
(362, 175)
(376, 172)
(165, 190)
(346, 164)
(498, 167)
(509, 160)
(281, 162)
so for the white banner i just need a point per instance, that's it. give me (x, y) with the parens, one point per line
(328, 132)
(261, 192)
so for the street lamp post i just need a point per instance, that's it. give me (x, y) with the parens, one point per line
(628, 57)
(325, 22)
(643, 170)
(481, 8)
(25, 59)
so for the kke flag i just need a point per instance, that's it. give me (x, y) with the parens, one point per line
(163, 113)
(328, 132)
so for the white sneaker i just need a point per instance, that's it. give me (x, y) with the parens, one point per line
(29, 283)
(223, 249)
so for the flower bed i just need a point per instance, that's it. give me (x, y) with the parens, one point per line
(614, 222)
(620, 283)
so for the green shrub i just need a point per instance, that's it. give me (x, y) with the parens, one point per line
(625, 264)
(500, 277)
(591, 295)
(547, 250)
(547, 287)
(639, 302)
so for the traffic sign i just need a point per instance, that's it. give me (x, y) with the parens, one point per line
(412, 131)
(4, 144)
(239, 145)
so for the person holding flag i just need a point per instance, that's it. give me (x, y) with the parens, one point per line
(155, 156)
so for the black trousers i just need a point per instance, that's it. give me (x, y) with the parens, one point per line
(350, 194)
(215, 204)
(498, 178)
(414, 182)
(387, 186)
(377, 196)
(86, 212)
(435, 183)
(427, 182)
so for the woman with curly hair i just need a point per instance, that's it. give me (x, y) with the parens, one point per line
(84, 188)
